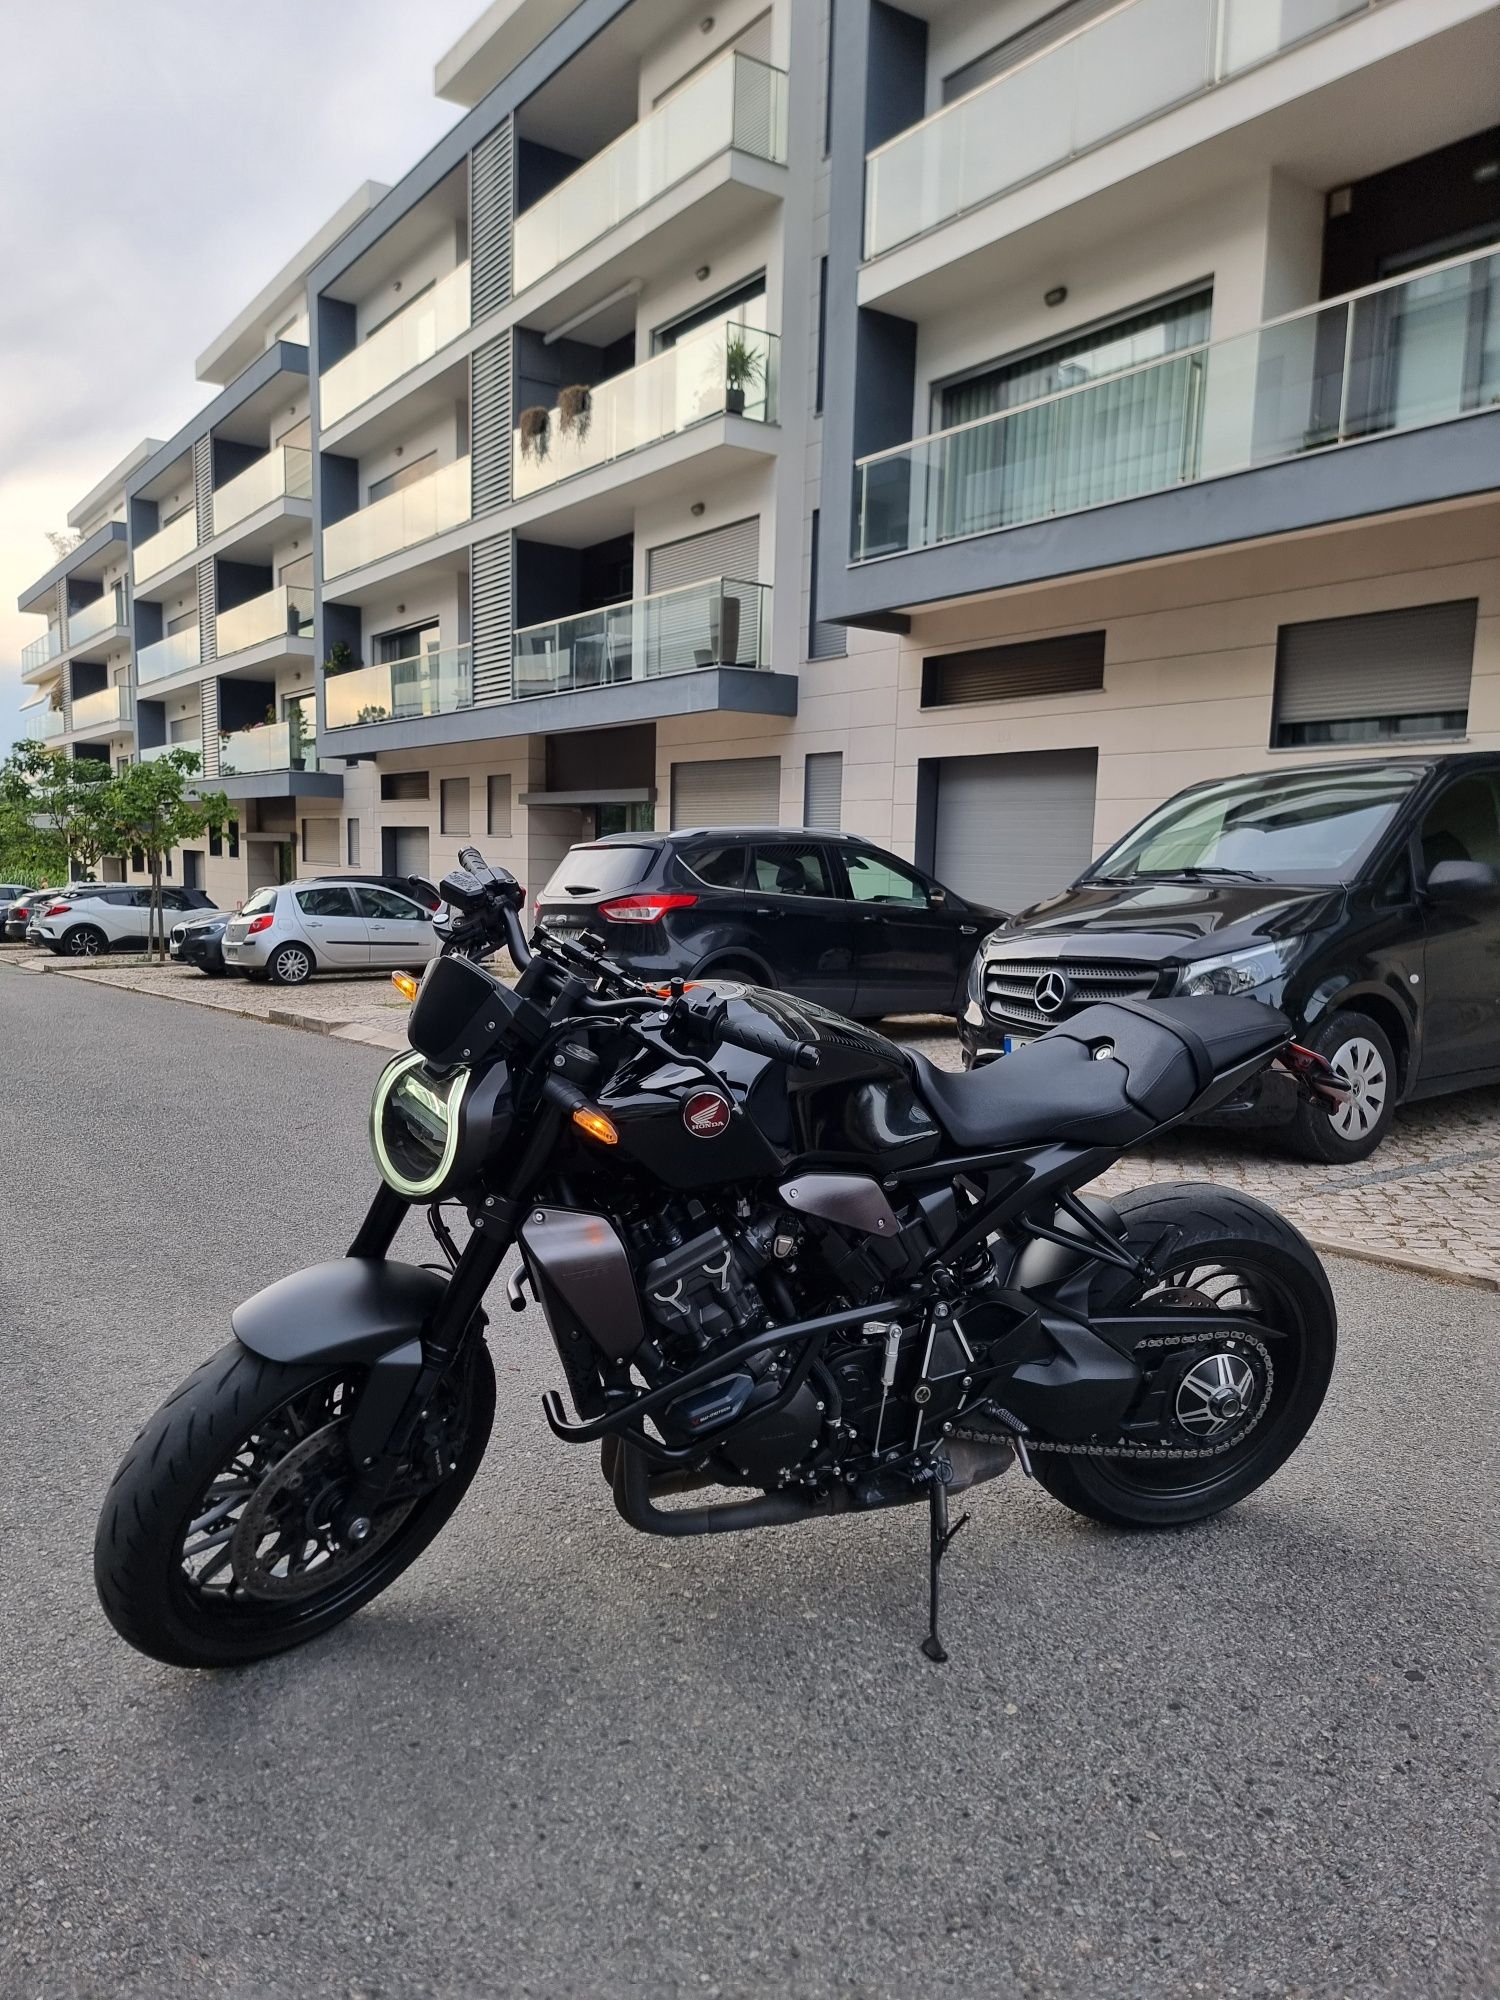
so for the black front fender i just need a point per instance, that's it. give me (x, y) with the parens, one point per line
(353, 1309)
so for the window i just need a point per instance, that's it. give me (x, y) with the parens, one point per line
(407, 644)
(234, 840)
(386, 904)
(497, 803)
(719, 867)
(824, 642)
(403, 785)
(790, 868)
(263, 899)
(873, 879)
(1375, 678)
(1464, 824)
(823, 789)
(320, 840)
(325, 903)
(404, 475)
(453, 808)
(822, 333)
(351, 843)
(137, 861)
(746, 304)
(1073, 664)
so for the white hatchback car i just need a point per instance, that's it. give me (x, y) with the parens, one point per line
(95, 917)
(288, 933)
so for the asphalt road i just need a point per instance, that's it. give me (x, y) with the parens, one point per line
(560, 1759)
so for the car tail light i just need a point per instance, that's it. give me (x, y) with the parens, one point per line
(57, 909)
(260, 924)
(645, 909)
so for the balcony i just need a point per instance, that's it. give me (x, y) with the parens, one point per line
(1396, 357)
(415, 514)
(728, 370)
(736, 104)
(429, 684)
(285, 473)
(40, 651)
(719, 623)
(166, 548)
(283, 613)
(50, 724)
(103, 615)
(193, 745)
(1139, 61)
(393, 350)
(107, 712)
(267, 746)
(165, 657)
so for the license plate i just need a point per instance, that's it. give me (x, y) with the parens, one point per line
(1010, 1043)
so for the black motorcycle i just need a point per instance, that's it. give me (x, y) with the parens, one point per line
(780, 1257)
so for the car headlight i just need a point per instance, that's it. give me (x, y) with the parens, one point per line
(1234, 972)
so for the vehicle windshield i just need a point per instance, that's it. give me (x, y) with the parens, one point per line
(593, 871)
(1309, 826)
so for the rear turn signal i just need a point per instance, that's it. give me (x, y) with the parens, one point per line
(597, 1126)
(405, 985)
(643, 909)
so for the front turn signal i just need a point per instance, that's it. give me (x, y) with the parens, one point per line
(405, 985)
(597, 1126)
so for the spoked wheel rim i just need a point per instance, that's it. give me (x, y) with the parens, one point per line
(83, 944)
(1363, 1067)
(293, 965)
(1232, 1397)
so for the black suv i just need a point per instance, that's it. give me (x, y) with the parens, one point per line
(1361, 898)
(822, 915)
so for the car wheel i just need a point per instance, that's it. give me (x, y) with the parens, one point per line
(290, 965)
(1360, 1050)
(737, 968)
(85, 941)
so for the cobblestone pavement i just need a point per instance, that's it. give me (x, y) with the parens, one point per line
(1429, 1200)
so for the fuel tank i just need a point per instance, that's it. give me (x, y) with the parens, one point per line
(756, 1117)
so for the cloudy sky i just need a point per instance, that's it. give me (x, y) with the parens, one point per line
(159, 161)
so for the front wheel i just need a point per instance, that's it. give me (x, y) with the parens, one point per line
(218, 1543)
(1233, 1410)
(84, 941)
(1360, 1050)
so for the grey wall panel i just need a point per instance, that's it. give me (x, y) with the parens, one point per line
(490, 618)
(1008, 830)
(491, 214)
(490, 424)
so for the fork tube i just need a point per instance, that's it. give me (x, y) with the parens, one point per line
(383, 1218)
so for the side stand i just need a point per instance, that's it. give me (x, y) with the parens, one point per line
(940, 1535)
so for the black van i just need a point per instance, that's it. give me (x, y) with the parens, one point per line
(1361, 898)
(824, 915)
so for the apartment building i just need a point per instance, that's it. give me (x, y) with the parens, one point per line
(965, 422)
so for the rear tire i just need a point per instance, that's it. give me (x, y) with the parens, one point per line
(290, 965)
(1187, 1231)
(1360, 1050)
(199, 1437)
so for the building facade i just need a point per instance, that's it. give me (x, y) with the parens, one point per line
(965, 423)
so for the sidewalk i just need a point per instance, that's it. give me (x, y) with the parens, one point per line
(1428, 1201)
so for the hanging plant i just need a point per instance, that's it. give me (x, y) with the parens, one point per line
(534, 425)
(575, 406)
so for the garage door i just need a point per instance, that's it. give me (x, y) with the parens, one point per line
(1010, 830)
(727, 791)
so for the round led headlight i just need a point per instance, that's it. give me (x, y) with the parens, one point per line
(432, 1130)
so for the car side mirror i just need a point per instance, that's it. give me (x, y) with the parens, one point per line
(936, 896)
(1457, 881)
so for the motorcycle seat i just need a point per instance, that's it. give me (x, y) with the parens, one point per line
(1109, 1076)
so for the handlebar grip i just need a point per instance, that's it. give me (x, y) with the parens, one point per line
(515, 941)
(769, 1042)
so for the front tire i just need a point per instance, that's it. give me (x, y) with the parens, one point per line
(84, 941)
(1360, 1050)
(1232, 1252)
(173, 1543)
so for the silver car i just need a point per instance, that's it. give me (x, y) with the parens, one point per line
(288, 933)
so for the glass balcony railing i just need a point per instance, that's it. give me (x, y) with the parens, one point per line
(1419, 350)
(192, 744)
(717, 623)
(165, 657)
(267, 746)
(429, 684)
(49, 725)
(40, 651)
(717, 371)
(423, 329)
(736, 102)
(1131, 66)
(285, 473)
(107, 708)
(415, 514)
(283, 613)
(159, 551)
(103, 615)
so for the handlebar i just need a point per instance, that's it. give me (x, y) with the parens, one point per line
(759, 1041)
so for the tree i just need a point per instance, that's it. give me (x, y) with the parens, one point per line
(154, 807)
(64, 799)
(64, 540)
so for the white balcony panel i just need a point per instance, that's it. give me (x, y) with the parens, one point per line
(425, 328)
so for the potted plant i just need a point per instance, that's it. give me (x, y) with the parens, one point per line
(574, 408)
(339, 660)
(533, 425)
(743, 366)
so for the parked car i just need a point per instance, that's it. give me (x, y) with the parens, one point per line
(825, 916)
(9, 893)
(200, 941)
(336, 924)
(108, 916)
(17, 913)
(37, 908)
(1361, 898)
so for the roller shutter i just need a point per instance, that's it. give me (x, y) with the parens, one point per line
(823, 789)
(732, 551)
(727, 791)
(1009, 830)
(1382, 666)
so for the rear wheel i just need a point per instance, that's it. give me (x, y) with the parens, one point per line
(290, 965)
(1360, 1050)
(219, 1541)
(1248, 1403)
